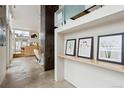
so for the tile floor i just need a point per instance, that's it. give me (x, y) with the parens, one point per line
(25, 72)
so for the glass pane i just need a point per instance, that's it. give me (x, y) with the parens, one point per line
(18, 46)
(24, 44)
(72, 10)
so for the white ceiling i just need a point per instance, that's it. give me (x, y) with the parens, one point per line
(26, 17)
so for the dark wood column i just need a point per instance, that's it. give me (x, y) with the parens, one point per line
(47, 34)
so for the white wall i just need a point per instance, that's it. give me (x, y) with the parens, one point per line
(5, 51)
(8, 36)
(26, 17)
(2, 56)
(84, 75)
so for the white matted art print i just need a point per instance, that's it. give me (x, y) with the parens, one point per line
(110, 48)
(70, 47)
(85, 47)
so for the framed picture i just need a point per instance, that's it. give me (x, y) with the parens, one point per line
(111, 48)
(85, 47)
(70, 47)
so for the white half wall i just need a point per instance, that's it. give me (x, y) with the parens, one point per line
(87, 76)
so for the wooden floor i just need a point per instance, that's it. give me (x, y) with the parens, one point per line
(25, 72)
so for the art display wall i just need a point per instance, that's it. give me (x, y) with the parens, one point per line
(109, 47)
(80, 74)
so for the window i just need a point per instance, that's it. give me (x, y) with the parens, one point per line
(23, 41)
(19, 33)
(18, 46)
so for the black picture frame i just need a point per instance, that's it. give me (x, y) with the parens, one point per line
(91, 48)
(122, 48)
(74, 47)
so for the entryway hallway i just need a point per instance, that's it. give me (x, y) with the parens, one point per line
(25, 72)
